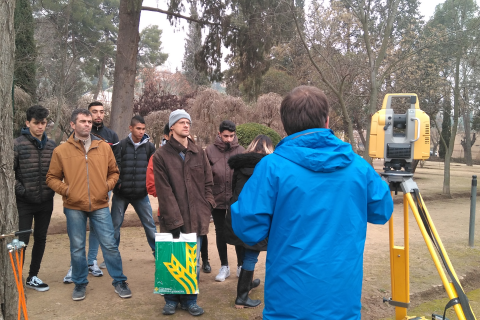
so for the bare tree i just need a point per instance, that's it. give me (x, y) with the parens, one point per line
(267, 112)
(209, 109)
(8, 207)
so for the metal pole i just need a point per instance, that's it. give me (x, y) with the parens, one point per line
(473, 201)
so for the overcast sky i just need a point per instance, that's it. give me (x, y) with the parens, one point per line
(173, 37)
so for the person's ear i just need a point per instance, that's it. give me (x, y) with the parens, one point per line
(326, 124)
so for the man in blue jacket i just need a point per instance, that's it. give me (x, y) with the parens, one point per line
(313, 198)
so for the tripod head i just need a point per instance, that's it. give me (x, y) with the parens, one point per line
(400, 138)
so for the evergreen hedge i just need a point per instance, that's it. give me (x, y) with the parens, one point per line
(248, 131)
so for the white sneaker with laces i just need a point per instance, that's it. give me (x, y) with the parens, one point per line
(223, 273)
(68, 277)
(36, 284)
(239, 269)
(95, 270)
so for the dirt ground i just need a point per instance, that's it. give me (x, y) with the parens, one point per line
(451, 218)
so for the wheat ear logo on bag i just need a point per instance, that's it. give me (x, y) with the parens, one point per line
(186, 276)
(176, 264)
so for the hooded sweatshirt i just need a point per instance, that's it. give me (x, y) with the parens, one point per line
(218, 155)
(312, 198)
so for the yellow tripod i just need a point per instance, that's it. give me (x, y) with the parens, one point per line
(399, 255)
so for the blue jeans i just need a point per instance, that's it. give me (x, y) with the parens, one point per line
(187, 299)
(101, 221)
(144, 211)
(250, 259)
(93, 243)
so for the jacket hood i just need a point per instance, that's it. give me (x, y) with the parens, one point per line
(317, 150)
(221, 145)
(39, 144)
(144, 140)
(245, 160)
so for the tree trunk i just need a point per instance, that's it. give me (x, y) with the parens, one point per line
(372, 108)
(56, 131)
(125, 66)
(467, 144)
(451, 145)
(8, 207)
(101, 72)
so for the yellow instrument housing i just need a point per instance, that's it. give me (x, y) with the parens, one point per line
(417, 132)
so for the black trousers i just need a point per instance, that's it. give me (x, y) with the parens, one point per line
(40, 214)
(204, 249)
(219, 221)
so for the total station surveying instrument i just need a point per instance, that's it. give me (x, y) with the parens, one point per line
(400, 139)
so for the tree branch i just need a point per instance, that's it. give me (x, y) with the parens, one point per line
(177, 15)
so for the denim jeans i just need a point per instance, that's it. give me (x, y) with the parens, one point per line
(144, 211)
(93, 243)
(250, 259)
(187, 299)
(101, 221)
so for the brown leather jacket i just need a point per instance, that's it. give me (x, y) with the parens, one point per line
(184, 187)
(222, 174)
(87, 176)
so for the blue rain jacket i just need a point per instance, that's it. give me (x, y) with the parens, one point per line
(313, 198)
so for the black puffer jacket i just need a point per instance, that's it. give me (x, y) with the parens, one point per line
(132, 163)
(107, 134)
(31, 163)
(243, 166)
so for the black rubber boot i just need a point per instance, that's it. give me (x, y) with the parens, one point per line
(255, 283)
(243, 287)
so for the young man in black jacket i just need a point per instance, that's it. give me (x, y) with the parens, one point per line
(33, 152)
(132, 155)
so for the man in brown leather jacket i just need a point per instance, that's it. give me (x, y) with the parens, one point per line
(225, 146)
(183, 181)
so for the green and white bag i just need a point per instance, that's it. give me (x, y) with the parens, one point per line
(176, 264)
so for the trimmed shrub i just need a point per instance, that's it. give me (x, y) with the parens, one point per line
(248, 131)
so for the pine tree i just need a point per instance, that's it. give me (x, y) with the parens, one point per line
(193, 44)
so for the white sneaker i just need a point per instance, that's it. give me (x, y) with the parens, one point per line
(68, 277)
(239, 269)
(103, 265)
(223, 273)
(95, 270)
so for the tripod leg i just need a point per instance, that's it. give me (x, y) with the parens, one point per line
(16, 282)
(21, 292)
(449, 288)
(399, 267)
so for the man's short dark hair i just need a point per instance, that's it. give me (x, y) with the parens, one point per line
(166, 130)
(37, 112)
(227, 125)
(137, 119)
(95, 103)
(76, 112)
(304, 108)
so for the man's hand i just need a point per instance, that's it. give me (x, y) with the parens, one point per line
(176, 232)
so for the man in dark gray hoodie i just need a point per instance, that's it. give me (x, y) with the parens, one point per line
(225, 146)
